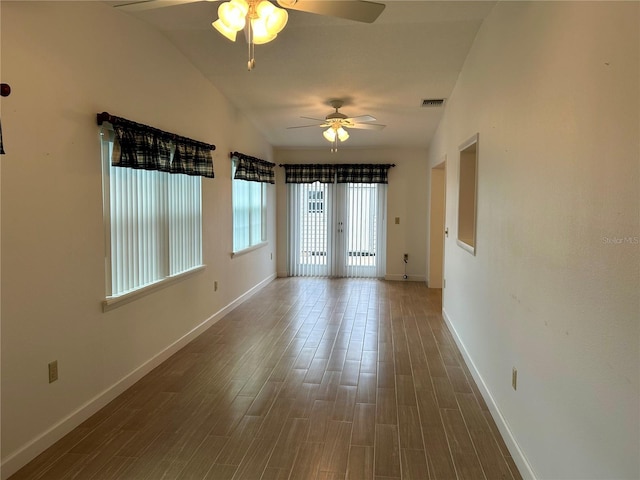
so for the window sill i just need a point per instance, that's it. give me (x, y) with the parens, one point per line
(249, 249)
(117, 301)
(466, 245)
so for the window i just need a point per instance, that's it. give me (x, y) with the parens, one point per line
(336, 223)
(153, 224)
(316, 201)
(249, 211)
(467, 194)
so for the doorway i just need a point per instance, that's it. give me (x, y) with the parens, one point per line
(336, 230)
(437, 225)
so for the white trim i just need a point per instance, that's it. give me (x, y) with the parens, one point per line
(516, 453)
(19, 458)
(466, 246)
(470, 141)
(249, 249)
(113, 302)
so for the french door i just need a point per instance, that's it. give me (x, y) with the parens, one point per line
(336, 229)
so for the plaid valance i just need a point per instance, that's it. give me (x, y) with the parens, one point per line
(143, 147)
(339, 173)
(310, 173)
(363, 173)
(253, 169)
(192, 159)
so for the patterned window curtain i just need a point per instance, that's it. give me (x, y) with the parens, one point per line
(253, 169)
(310, 173)
(192, 159)
(363, 173)
(143, 147)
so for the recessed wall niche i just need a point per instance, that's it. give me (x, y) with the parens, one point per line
(467, 194)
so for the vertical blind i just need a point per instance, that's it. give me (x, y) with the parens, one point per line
(311, 244)
(185, 223)
(137, 254)
(341, 235)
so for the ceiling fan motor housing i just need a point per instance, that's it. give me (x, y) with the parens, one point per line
(336, 116)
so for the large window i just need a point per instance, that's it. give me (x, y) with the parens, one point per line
(249, 211)
(153, 223)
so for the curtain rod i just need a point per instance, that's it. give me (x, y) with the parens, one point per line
(113, 120)
(339, 164)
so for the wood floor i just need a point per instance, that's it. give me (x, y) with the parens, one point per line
(309, 379)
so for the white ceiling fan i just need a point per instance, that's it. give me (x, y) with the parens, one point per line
(336, 123)
(261, 20)
(358, 10)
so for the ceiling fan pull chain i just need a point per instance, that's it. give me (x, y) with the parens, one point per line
(252, 62)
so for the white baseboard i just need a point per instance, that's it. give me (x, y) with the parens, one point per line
(516, 453)
(400, 277)
(16, 460)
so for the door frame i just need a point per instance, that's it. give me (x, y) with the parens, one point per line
(437, 224)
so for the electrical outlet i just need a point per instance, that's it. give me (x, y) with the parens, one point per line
(514, 378)
(397, 220)
(53, 371)
(215, 286)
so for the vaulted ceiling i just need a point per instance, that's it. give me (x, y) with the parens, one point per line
(413, 51)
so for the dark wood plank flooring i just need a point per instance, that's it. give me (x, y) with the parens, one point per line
(309, 379)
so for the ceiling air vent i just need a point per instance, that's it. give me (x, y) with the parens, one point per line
(433, 102)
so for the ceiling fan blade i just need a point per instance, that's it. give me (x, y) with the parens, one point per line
(358, 10)
(323, 120)
(133, 6)
(361, 118)
(366, 126)
(315, 125)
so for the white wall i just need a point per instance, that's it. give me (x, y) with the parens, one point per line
(66, 62)
(407, 198)
(552, 89)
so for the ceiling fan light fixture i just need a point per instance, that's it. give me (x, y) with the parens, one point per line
(224, 30)
(329, 134)
(261, 33)
(342, 134)
(233, 14)
(264, 19)
(275, 18)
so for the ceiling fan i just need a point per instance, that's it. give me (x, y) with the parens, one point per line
(261, 20)
(358, 10)
(337, 122)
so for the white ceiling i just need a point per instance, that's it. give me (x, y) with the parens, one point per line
(413, 51)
